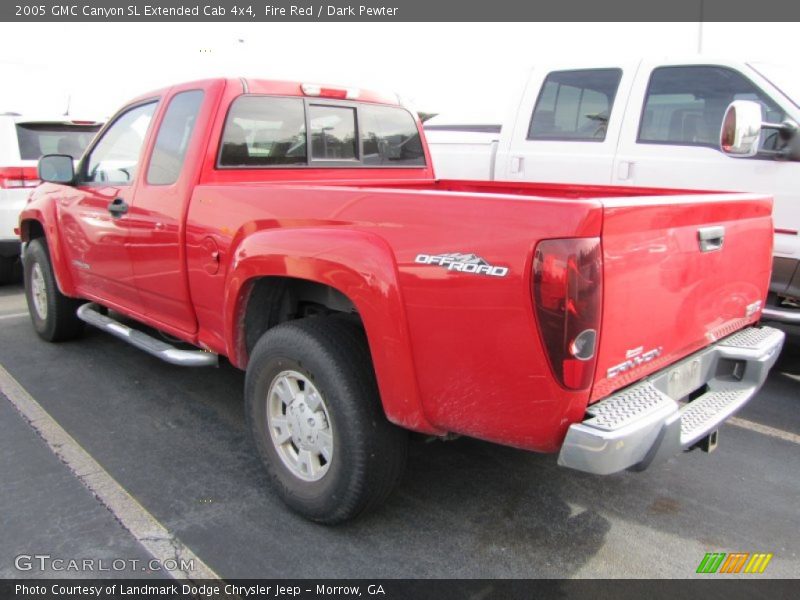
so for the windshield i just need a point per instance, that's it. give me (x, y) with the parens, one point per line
(783, 77)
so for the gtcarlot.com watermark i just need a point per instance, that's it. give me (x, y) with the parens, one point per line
(46, 562)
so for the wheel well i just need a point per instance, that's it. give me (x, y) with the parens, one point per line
(275, 300)
(31, 230)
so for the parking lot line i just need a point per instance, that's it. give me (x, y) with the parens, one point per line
(787, 436)
(144, 527)
(14, 316)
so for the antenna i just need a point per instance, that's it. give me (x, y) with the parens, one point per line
(69, 101)
(700, 27)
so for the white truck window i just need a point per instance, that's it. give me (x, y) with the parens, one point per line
(685, 105)
(575, 105)
(38, 139)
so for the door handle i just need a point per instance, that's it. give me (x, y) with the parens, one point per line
(625, 170)
(118, 207)
(517, 164)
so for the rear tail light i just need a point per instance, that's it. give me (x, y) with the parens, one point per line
(568, 293)
(18, 177)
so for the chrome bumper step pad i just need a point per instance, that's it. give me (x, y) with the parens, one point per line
(643, 422)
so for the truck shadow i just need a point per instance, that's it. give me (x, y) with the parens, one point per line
(495, 509)
(15, 290)
(789, 360)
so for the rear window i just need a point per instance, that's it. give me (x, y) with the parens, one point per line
(264, 132)
(38, 139)
(271, 131)
(575, 105)
(333, 132)
(390, 137)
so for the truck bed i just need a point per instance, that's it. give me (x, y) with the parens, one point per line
(536, 189)
(467, 331)
(663, 296)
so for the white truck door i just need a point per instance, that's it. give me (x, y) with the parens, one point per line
(670, 138)
(567, 126)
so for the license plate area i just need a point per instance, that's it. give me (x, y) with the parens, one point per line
(685, 378)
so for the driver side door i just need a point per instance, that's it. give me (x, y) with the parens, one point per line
(94, 218)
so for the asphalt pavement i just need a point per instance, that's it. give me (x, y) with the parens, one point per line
(175, 440)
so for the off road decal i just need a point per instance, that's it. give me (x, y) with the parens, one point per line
(463, 263)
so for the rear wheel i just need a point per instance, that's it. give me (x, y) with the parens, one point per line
(52, 313)
(313, 408)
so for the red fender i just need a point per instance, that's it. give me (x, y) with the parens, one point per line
(359, 265)
(42, 209)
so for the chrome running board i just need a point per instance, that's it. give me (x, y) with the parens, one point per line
(158, 348)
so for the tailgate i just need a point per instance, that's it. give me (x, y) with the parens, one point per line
(679, 272)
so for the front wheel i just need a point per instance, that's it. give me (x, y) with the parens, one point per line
(52, 313)
(314, 410)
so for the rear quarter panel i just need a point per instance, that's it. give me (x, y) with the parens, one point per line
(453, 352)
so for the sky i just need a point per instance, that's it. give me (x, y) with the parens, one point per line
(463, 70)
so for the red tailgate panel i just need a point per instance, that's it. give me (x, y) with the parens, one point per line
(663, 297)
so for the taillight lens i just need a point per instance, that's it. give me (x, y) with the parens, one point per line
(568, 294)
(18, 177)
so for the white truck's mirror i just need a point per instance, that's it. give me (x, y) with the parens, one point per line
(741, 129)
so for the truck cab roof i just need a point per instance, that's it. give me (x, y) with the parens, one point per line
(285, 88)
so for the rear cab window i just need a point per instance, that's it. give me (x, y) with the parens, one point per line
(389, 137)
(684, 105)
(575, 105)
(37, 139)
(263, 131)
(274, 131)
(333, 132)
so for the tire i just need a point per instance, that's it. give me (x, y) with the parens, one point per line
(10, 271)
(52, 313)
(334, 387)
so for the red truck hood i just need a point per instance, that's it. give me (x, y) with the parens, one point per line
(663, 297)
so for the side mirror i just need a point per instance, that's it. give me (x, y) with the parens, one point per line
(57, 168)
(741, 129)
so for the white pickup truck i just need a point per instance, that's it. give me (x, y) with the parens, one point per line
(652, 123)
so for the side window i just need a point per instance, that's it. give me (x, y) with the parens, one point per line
(115, 158)
(173, 138)
(333, 132)
(575, 105)
(264, 131)
(685, 105)
(390, 137)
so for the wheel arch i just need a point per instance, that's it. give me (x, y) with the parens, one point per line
(354, 270)
(36, 224)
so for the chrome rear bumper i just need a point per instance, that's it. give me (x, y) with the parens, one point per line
(649, 421)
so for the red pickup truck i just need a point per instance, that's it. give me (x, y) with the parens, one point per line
(299, 231)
